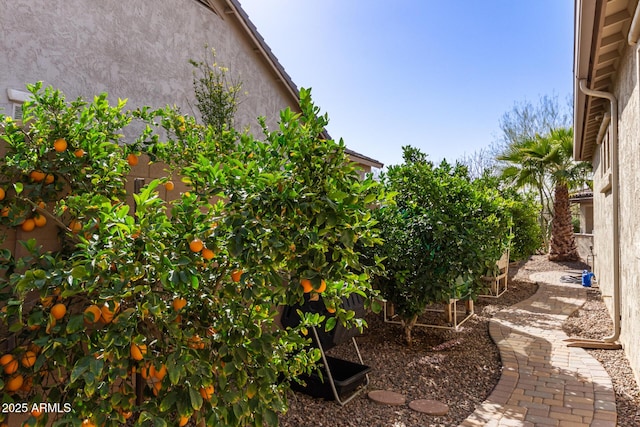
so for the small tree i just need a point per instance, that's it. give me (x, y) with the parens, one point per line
(441, 235)
(166, 312)
(216, 93)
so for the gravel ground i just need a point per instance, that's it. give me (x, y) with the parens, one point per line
(457, 368)
(593, 321)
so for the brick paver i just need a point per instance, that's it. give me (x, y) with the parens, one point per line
(544, 382)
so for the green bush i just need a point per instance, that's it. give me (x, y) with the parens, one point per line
(441, 236)
(167, 312)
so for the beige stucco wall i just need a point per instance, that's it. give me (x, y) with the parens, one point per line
(626, 91)
(137, 50)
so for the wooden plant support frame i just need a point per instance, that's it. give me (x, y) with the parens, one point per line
(499, 283)
(450, 311)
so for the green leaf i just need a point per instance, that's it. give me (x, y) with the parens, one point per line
(168, 401)
(18, 186)
(75, 323)
(196, 399)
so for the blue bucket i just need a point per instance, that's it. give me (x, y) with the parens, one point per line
(586, 278)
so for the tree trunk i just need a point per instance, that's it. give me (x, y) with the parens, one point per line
(563, 244)
(407, 326)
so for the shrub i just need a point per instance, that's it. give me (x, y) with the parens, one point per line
(441, 235)
(154, 329)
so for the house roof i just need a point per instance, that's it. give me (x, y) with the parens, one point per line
(601, 30)
(233, 9)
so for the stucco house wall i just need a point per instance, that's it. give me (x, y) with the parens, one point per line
(627, 92)
(138, 50)
(622, 81)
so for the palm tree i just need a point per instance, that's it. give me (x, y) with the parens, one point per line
(543, 161)
(565, 174)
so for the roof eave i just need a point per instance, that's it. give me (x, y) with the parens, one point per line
(584, 16)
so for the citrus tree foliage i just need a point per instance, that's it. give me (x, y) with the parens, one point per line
(441, 236)
(161, 312)
(527, 235)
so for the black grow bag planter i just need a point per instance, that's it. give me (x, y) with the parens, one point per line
(339, 334)
(347, 377)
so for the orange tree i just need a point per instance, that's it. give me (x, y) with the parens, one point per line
(165, 312)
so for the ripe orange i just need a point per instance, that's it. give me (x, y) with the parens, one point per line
(206, 392)
(306, 285)
(321, 288)
(49, 179)
(169, 186)
(236, 275)
(79, 153)
(36, 413)
(75, 226)
(9, 364)
(157, 386)
(92, 314)
(331, 310)
(40, 220)
(58, 311)
(132, 159)
(196, 245)
(183, 421)
(14, 383)
(5, 211)
(2, 193)
(126, 414)
(88, 423)
(28, 225)
(37, 176)
(60, 145)
(108, 313)
(138, 351)
(28, 359)
(179, 303)
(208, 254)
(158, 373)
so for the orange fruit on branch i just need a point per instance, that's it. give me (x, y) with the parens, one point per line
(206, 392)
(49, 178)
(9, 364)
(40, 220)
(14, 383)
(88, 423)
(236, 275)
(92, 314)
(321, 288)
(306, 285)
(183, 421)
(107, 312)
(28, 359)
(178, 303)
(196, 245)
(132, 159)
(169, 186)
(79, 153)
(60, 145)
(2, 194)
(75, 226)
(138, 351)
(37, 176)
(58, 311)
(28, 225)
(208, 254)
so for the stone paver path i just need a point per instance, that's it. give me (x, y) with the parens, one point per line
(544, 382)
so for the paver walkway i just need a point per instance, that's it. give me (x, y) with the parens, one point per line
(544, 382)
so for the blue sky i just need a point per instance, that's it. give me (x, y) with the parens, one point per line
(437, 75)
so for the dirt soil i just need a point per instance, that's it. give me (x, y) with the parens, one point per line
(457, 368)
